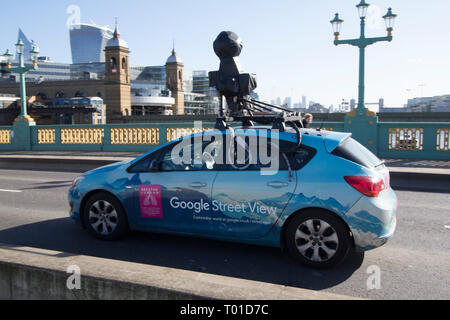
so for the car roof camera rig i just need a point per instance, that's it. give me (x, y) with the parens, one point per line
(235, 87)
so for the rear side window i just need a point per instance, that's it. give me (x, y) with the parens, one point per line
(353, 151)
(301, 158)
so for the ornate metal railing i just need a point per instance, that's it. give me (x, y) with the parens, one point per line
(443, 139)
(5, 135)
(420, 140)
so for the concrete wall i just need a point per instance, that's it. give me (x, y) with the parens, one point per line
(31, 273)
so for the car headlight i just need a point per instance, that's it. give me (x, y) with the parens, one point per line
(77, 181)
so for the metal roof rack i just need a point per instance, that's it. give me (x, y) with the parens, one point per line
(279, 120)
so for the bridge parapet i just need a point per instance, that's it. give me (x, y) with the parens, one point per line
(403, 140)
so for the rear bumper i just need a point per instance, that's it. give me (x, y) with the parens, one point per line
(373, 221)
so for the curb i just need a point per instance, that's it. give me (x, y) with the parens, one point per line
(73, 164)
(427, 182)
(32, 273)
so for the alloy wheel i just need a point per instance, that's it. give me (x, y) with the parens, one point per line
(103, 217)
(316, 240)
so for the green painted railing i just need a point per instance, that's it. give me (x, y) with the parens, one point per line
(5, 137)
(413, 140)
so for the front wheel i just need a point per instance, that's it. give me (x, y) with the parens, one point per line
(104, 217)
(318, 239)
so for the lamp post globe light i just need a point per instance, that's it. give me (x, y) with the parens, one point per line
(362, 42)
(389, 19)
(7, 58)
(337, 24)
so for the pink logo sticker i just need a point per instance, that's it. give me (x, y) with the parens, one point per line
(150, 201)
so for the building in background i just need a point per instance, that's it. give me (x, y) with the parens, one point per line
(352, 104)
(430, 104)
(288, 102)
(54, 111)
(174, 81)
(117, 78)
(88, 42)
(208, 96)
(47, 71)
(303, 102)
(27, 46)
(7, 99)
(101, 69)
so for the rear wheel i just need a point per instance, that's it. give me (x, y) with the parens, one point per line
(104, 217)
(318, 239)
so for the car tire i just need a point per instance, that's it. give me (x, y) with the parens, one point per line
(318, 239)
(104, 217)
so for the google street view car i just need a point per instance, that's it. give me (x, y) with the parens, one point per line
(316, 193)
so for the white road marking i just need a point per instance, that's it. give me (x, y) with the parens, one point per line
(12, 191)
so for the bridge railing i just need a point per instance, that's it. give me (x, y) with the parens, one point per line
(418, 140)
(413, 140)
(112, 137)
(5, 137)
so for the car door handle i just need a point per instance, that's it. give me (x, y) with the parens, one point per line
(197, 185)
(278, 184)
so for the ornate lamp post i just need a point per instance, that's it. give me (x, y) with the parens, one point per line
(21, 131)
(22, 69)
(362, 43)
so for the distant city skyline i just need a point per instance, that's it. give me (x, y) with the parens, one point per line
(287, 44)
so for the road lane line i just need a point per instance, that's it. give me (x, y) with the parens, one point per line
(12, 191)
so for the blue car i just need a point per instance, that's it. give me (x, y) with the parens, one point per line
(326, 195)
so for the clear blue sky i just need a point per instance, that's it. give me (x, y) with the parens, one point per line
(287, 43)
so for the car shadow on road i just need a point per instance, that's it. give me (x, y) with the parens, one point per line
(195, 254)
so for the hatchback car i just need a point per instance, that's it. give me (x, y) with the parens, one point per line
(327, 196)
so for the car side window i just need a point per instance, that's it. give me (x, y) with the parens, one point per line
(144, 164)
(196, 160)
(253, 160)
(298, 157)
(301, 157)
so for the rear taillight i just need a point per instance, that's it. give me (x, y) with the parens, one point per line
(368, 186)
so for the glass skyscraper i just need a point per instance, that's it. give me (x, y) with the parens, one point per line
(27, 46)
(88, 41)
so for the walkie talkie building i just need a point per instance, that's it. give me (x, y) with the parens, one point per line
(88, 41)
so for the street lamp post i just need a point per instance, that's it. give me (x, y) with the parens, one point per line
(362, 42)
(21, 128)
(22, 69)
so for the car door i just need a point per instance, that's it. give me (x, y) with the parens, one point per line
(247, 203)
(173, 196)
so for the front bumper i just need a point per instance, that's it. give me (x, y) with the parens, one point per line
(373, 221)
(74, 198)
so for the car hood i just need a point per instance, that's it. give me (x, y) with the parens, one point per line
(108, 168)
